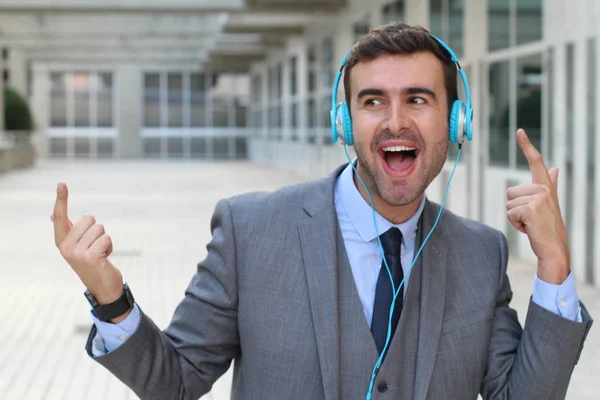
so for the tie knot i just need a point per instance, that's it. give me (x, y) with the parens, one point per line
(391, 241)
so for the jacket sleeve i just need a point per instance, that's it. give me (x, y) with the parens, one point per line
(184, 360)
(536, 361)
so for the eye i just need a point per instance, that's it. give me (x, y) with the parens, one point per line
(372, 102)
(417, 100)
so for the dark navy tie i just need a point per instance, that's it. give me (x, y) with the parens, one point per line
(391, 241)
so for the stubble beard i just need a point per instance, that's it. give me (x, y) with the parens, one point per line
(404, 192)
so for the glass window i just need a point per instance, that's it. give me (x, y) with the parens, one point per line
(175, 99)
(81, 99)
(499, 109)
(58, 99)
(197, 100)
(446, 20)
(362, 27)
(293, 75)
(220, 93)
(529, 21)
(393, 12)
(105, 100)
(295, 117)
(152, 100)
(327, 63)
(529, 102)
(279, 83)
(498, 24)
(311, 69)
(526, 15)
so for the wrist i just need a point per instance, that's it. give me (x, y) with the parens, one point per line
(113, 311)
(554, 271)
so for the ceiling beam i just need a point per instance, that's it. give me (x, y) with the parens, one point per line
(114, 55)
(225, 63)
(196, 6)
(109, 41)
(110, 24)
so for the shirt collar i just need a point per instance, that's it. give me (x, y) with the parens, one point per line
(360, 212)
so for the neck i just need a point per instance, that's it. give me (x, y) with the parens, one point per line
(392, 213)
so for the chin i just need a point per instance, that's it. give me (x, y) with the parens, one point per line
(397, 196)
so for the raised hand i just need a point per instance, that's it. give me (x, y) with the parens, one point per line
(86, 247)
(534, 210)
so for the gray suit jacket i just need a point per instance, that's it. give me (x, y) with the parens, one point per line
(269, 297)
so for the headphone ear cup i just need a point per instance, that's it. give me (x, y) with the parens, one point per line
(454, 127)
(339, 123)
(346, 124)
(469, 124)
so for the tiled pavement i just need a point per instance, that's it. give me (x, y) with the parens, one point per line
(158, 216)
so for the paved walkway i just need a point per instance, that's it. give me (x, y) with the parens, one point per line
(158, 216)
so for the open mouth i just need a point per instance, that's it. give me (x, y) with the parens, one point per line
(399, 159)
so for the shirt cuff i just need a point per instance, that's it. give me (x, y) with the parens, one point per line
(113, 335)
(560, 299)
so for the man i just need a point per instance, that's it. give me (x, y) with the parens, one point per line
(293, 288)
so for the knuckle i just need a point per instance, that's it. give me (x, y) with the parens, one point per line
(64, 249)
(89, 218)
(87, 257)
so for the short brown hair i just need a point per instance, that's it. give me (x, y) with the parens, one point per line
(400, 38)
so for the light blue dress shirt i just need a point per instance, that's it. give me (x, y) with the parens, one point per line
(360, 238)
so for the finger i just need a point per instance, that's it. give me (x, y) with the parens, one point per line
(79, 229)
(554, 177)
(516, 216)
(527, 189)
(60, 216)
(518, 226)
(102, 246)
(539, 173)
(521, 201)
(90, 236)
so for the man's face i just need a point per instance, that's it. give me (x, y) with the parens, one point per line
(399, 114)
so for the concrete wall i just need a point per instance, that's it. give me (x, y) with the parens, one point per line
(14, 158)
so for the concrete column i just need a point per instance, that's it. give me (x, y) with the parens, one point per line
(40, 108)
(1, 95)
(417, 12)
(476, 43)
(128, 91)
(17, 65)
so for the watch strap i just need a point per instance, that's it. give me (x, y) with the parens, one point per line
(106, 312)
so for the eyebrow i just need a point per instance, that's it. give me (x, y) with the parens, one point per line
(408, 91)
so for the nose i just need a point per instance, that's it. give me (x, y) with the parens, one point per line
(398, 118)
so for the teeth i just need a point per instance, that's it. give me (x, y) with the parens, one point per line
(399, 148)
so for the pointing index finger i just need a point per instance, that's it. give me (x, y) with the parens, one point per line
(60, 216)
(539, 172)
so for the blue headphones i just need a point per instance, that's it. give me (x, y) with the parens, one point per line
(460, 120)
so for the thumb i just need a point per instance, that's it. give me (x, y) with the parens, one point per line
(554, 177)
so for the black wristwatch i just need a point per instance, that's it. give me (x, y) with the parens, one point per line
(119, 307)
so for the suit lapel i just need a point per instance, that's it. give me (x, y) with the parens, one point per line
(433, 295)
(318, 236)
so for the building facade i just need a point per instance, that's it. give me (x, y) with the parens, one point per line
(531, 64)
(152, 82)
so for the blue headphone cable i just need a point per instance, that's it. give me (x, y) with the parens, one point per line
(397, 291)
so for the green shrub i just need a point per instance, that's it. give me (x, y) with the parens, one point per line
(17, 116)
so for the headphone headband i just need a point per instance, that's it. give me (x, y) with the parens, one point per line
(461, 115)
